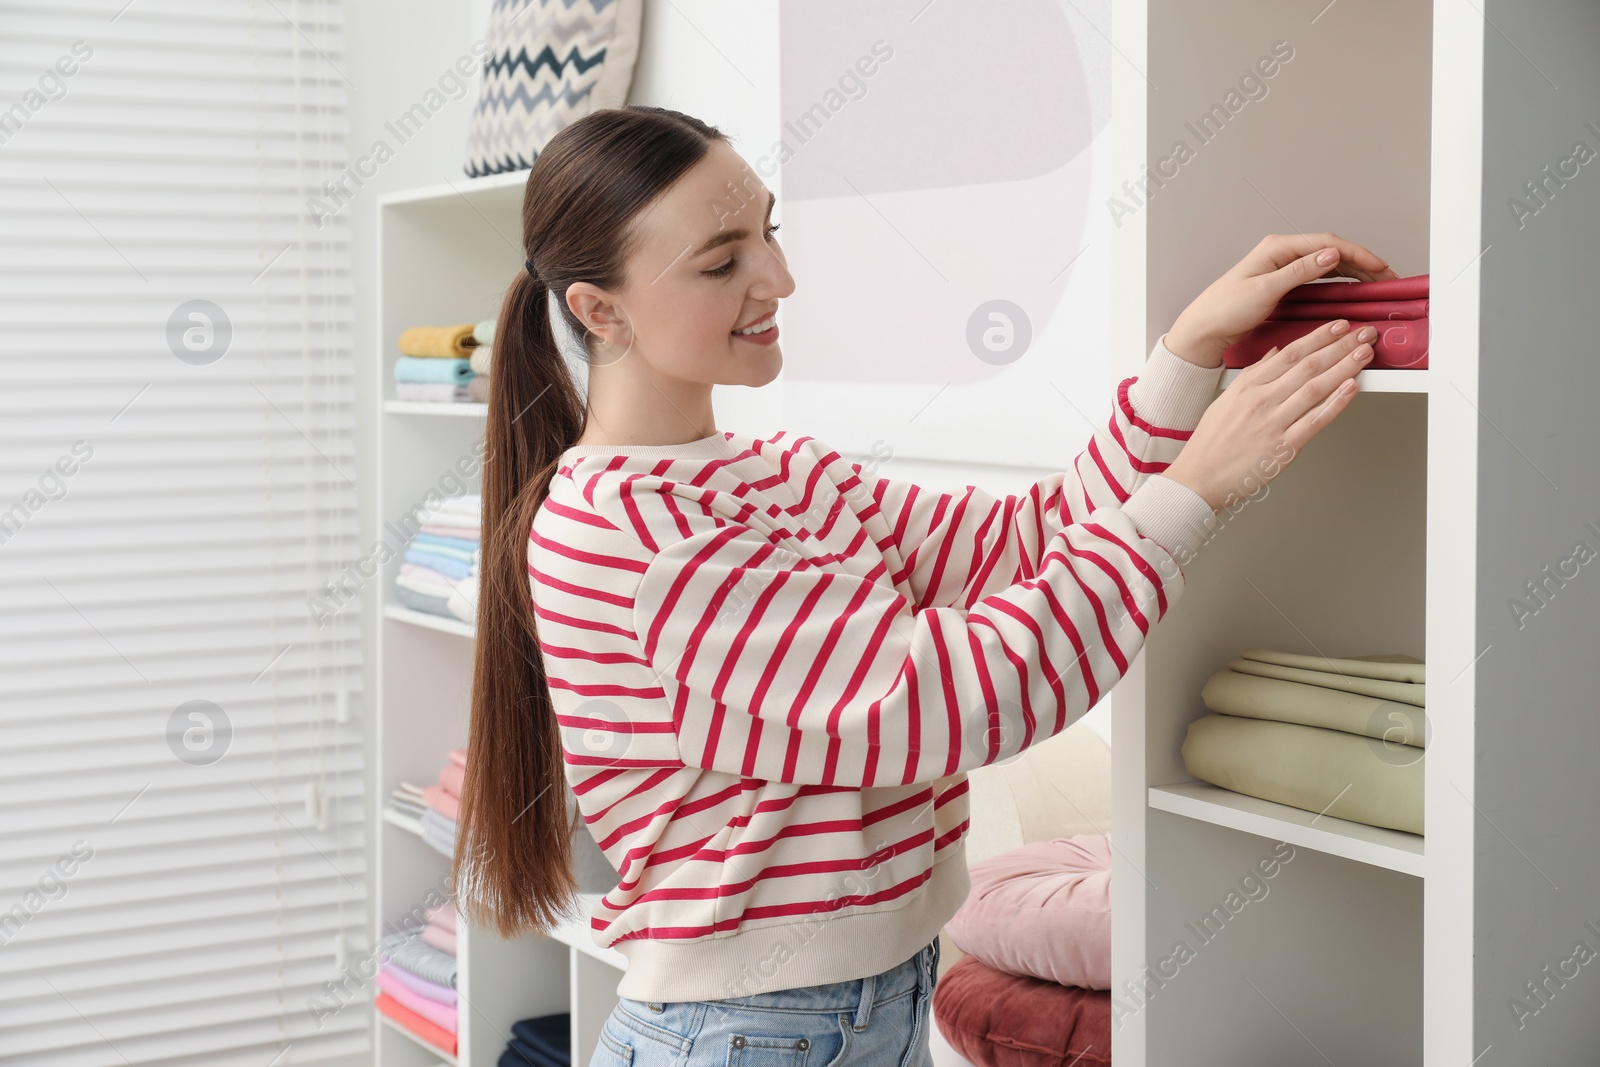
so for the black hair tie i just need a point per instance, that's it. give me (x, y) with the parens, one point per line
(529, 264)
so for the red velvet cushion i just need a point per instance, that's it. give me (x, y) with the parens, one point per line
(1003, 1020)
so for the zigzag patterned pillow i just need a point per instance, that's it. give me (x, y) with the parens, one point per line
(550, 62)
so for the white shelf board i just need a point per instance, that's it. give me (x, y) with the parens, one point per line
(1374, 845)
(1368, 381)
(574, 933)
(441, 407)
(395, 818)
(429, 621)
(457, 187)
(444, 1057)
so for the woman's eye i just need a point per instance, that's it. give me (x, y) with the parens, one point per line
(727, 268)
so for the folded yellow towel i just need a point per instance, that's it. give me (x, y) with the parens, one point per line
(449, 342)
(1393, 666)
(1255, 697)
(1326, 771)
(1409, 692)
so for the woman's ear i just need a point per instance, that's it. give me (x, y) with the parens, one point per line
(598, 313)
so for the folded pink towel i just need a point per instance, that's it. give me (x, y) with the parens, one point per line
(441, 1015)
(450, 779)
(458, 756)
(442, 802)
(425, 580)
(442, 940)
(443, 916)
(1043, 911)
(466, 533)
(432, 990)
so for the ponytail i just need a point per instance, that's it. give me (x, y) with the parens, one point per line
(513, 865)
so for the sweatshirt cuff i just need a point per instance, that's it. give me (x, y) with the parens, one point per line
(1172, 515)
(1171, 392)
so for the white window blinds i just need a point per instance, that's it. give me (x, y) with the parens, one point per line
(182, 876)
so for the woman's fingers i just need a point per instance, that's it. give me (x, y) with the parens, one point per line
(1280, 249)
(1275, 363)
(1321, 375)
(1312, 422)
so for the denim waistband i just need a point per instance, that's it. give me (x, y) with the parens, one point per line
(853, 995)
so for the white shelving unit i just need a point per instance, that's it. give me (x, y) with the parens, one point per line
(445, 254)
(1406, 526)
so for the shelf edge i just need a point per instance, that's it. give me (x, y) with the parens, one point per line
(1372, 845)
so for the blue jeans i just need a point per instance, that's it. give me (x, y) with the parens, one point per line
(880, 1020)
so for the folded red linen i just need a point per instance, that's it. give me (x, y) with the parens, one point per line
(1402, 344)
(1366, 310)
(1412, 288)
(1396, 307)
(430, 1032)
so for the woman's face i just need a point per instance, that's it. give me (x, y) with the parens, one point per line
(707, 263)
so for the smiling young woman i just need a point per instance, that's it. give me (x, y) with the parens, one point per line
(759, 671)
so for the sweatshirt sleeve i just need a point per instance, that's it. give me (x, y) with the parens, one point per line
(782, 670)
(958, 547)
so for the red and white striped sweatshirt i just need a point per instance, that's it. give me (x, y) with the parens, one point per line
(773, 669)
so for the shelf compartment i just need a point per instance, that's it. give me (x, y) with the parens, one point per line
(1374, 845)
(433, 1050)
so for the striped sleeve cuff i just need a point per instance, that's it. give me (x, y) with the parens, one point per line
(1172, 515)
(1171, 392)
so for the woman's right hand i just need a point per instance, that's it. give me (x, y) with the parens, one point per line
(1265, 417)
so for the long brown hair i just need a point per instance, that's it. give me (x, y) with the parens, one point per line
(513, 861)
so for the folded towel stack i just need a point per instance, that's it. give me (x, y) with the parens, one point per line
(434, 363)
(417, 978)
(478, 387)
(1343, 737)
(439, 569)
(542, 1041)
(432, 811)
(417, 969)
(1396, 307)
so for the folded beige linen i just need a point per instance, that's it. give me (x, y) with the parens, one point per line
(1328, 771)
(1391, 666)
(1257, 697)
(1405, 692)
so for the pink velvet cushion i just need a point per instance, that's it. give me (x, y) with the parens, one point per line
(1000, 1020)
(1042, 910)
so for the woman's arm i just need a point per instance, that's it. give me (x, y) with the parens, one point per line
(958, 547)
(781, 670)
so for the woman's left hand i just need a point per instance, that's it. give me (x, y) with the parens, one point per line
(1251, 288)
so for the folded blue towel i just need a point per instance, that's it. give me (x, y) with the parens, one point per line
(453, 569)
(433, 369)
(464, 555)
(455, 544)
(433, 605)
